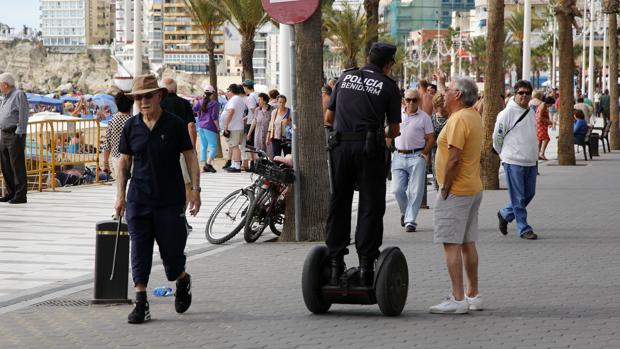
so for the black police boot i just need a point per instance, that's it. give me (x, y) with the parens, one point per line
(367, 271)
(337, 268)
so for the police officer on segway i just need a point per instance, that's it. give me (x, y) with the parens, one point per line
(363, 102)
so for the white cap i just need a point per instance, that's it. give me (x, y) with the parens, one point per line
(208, 88)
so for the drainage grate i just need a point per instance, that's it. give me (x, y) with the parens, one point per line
(64, 303)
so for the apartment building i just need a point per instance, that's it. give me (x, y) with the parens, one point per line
(184, 42)
(64, 25)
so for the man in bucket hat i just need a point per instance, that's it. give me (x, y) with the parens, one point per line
(154, 204)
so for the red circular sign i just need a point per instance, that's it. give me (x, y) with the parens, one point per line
(290, 11)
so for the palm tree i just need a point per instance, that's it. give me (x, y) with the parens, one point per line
(210, 20)
(311, 138)
(371, 7)
(493, 88)
(477, 48)
(565, 17)
(247, 16)
(610, 7)
(514, 24)
(348, 30)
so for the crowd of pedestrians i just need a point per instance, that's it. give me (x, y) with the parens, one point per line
(241, 117)
(440, 129)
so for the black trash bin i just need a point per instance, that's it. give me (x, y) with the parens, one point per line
(111, 262)
(594, 139)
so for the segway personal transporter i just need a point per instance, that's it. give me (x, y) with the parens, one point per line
(390, 281)
(389, 289)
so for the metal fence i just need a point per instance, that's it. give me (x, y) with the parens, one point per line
(53, 144)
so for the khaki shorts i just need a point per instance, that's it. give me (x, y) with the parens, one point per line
(456, 218)
(224, 145)
(186, 177)
(235, 139)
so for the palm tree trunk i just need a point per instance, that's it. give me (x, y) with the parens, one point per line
(372, 20)
(212, 65)
(493, 87)
(247, 54)
(310, 135)
(566, 152)
(614, 135)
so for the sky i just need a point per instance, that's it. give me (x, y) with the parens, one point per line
(16, 13)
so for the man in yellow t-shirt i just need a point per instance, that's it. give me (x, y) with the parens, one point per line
(457, 203)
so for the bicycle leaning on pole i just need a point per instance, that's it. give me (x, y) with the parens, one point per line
(263, 201)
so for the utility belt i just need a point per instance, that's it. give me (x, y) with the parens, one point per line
(10, 130)
(374, 140)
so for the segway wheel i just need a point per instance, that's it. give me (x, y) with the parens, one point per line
(392, 283)
(314, 277)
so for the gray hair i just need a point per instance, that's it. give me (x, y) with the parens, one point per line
(416, 93)
(170, 85)
(468, 89)
(7, 78)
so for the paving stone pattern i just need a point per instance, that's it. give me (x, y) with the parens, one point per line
(558, 292)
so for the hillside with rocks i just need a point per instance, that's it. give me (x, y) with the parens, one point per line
(39, 71)
(92, 72)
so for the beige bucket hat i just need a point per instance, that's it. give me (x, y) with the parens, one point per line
(143, 84)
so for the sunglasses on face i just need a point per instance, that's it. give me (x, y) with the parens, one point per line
(145, 96)
(524, 93)
(411, 100)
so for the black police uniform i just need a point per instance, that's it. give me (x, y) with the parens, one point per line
(363, 101)
(156, 195)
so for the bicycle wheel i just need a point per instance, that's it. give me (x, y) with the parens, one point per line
(276, 223)
(257, 219)
(229, 216)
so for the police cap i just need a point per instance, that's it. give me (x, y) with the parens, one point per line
(384, 50)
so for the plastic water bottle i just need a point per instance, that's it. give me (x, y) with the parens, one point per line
(162, 291)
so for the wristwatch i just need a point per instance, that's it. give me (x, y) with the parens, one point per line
(196, 189)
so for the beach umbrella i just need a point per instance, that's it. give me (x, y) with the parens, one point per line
(101, 102)
(103, 96)
(68, 98)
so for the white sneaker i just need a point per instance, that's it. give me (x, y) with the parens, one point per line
(475, 303)
(450, 306)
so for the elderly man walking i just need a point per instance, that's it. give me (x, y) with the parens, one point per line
(457, 203)
(410, 159)
(515, 140)
(13, 128)
(155, 206)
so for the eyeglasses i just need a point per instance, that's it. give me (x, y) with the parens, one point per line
(524, 93)
(411, 100)
(145, 96)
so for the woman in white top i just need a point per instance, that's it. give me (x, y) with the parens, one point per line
(280, 118)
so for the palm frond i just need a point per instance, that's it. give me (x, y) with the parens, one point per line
(209, 18)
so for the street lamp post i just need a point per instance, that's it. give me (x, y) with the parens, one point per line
(438, 38)
(591, 54)
(137, 37)
(284, 58)
(583, 48)
(527, 27)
